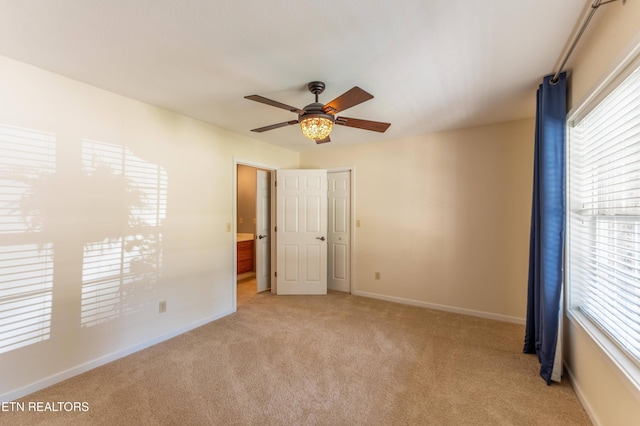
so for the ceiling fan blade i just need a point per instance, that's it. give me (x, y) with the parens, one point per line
(375, 126)
(325, 140)
(277, 104)
(274, 126)
(348, 99)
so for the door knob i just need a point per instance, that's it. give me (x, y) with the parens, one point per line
(320, 238)
(261, 236)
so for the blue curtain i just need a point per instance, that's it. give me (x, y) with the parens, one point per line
(546, 247)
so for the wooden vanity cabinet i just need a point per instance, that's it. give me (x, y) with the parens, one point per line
(245, 256)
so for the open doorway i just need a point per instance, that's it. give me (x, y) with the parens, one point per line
(253, 231)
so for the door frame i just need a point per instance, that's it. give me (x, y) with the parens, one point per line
(352, 237)
(273, 169)
(234, 226)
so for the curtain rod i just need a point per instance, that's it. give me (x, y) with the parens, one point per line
(594, 6)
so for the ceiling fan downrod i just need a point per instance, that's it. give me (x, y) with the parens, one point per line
(316, 87)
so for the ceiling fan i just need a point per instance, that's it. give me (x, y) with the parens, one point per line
(317, 120)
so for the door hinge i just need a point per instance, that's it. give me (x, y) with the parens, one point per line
(275, 229)
(276, 274)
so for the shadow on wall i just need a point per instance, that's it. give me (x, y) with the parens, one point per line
(111, 212)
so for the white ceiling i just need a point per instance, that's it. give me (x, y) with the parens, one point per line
(431, 64)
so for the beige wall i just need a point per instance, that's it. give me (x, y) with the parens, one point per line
(197, 270)
(444, 217)
(609, 398)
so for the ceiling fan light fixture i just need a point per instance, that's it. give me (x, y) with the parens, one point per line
(316, 120)
(316, 126)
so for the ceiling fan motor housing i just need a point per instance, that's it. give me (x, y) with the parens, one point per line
(315, 110)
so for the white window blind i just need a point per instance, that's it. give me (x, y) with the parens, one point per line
(604, 216)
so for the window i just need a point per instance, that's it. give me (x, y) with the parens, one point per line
(604, 220)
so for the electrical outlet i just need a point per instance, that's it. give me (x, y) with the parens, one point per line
(357, 223)
(377, 275)
(241, 221)
(162, 307)
(228, 227)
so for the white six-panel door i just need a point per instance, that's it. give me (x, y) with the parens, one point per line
(339, 235)
(301, 231)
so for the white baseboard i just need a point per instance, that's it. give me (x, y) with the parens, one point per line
(74, 371)
(453, 309)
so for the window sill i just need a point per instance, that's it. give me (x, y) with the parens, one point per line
(625, 369)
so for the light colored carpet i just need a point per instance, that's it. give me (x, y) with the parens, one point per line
(322, 360)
